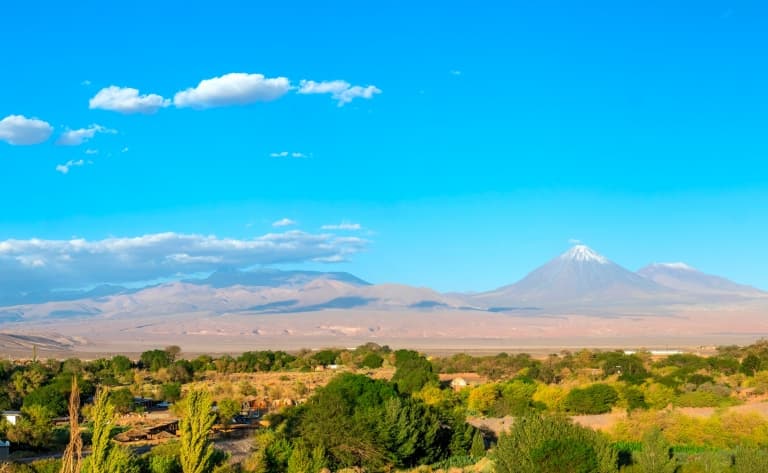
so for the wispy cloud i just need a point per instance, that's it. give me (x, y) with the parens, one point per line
(81, 135)
(455, 72)
(284, 222)
(343, 226)
(127, 100)
(64, 168)
(85, 83)
(91, 151)
(124, 150)
(341, 91)
(286, 154)
(232, 89)
(38, 264)
(20, 130)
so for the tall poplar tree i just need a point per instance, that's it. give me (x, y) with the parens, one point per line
(103, 415)
(195, 425)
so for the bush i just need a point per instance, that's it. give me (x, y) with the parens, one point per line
(595, 399)
(542, 444)
(372, 361)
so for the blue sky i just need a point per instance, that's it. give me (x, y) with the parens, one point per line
(468, 141)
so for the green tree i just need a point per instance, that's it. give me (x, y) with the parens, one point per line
(372, 361)
(750, 460)
(543, 444)
(477, 450)
(171, 392)
(227, 409)
(300, 461)
(121, 365)
(35, 428)
(413, 371)
(750, 364)
(164, 458)
(50, 396)
(153, 360)
(122, 400)
(594, 399)
(122, 460)
(655, 456)
(196, 451)
(103, 416)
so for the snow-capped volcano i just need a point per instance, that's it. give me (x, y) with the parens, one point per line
(578, 276)
(583, 253)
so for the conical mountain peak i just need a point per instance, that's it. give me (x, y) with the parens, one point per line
(584, 254)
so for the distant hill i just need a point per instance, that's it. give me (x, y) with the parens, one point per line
(273, 278)
(681, 277)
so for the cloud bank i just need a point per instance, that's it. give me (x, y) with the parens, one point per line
(20, 130)
(38, 265)
(234, 88)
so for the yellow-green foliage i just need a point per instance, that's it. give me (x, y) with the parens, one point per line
(721, 430)
(482, 398)
(759, 382)
(432, 395)
(658, 396)
(551, 396)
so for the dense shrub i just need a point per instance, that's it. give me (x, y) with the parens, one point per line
(543, 444)
(594, 399)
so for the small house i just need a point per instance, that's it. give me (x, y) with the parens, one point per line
(11, 416)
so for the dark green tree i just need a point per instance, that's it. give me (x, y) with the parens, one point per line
(594, 399)
(413, 371)
(477, 450)
(542, 444)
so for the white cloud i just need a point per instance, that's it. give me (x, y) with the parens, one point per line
(80, 136)
(340, 90)
(64, 168)
(343, 226)
(91, 151)
(286, 154)
(20, 130)
(124, 150)
(127, 100)
(236, 88)
(37, 264)
(85, 83)
(284, 222)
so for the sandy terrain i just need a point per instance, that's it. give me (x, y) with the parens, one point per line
(606, 421)
(437, 332)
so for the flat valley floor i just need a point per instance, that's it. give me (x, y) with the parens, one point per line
(434, 332)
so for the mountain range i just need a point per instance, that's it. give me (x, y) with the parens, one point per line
(579, 298)
(577, 280)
